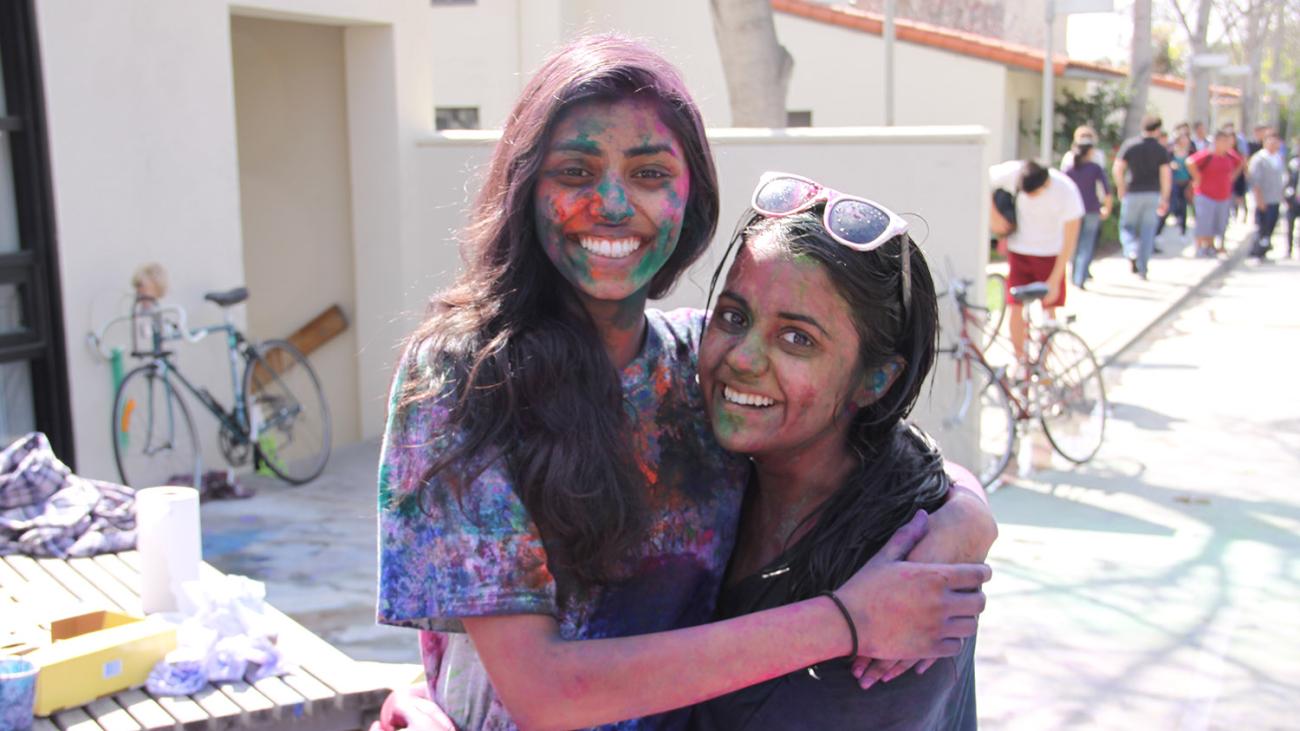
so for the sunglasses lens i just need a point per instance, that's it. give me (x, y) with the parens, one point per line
(784, 195)
(858, 222)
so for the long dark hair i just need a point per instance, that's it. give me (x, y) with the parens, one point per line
(514, 353)
(899, 468)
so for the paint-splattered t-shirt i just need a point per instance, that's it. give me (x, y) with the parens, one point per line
(484, 556)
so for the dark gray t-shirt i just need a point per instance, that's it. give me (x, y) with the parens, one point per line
(1143, 156)
(943, 699)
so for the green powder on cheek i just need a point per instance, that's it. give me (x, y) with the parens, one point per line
(582, 266)
(726, 424)
(654, 259)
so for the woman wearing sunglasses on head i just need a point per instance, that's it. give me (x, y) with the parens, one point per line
(815, 353)
(554, 512)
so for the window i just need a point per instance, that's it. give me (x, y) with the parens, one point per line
(33, 379)
(801, 118)
(456, 118)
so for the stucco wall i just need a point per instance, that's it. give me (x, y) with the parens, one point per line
(295, 193)
(142, 141)
(140, 106)
(1170, 104)
(484, 53)
(937, 174)
(837, 74)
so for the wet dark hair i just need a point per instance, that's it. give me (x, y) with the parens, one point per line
(511, 349)
(900, 470)
(1032, 176)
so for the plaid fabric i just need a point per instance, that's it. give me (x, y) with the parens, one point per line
(47, 511)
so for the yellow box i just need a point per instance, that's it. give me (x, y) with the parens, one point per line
(96, 654)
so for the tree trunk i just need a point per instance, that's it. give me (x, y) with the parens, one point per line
(1276, 66)
(1139, 68)
(1198, 78)
(756, 65)
(1257, 17)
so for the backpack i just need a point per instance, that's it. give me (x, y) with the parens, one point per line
(1005, 203)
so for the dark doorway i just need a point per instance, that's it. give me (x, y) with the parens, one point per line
(33, 376)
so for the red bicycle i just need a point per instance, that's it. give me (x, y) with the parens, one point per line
(1059, 385)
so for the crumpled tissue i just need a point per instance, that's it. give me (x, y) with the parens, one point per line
(224, 635)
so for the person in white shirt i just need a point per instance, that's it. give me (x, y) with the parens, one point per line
(1048, 209)
(1084, 135)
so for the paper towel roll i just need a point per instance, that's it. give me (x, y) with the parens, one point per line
(169, 541)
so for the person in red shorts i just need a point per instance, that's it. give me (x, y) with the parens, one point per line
(1049, 209)
(1213, 172)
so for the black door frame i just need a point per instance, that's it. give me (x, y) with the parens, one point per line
(35, 265)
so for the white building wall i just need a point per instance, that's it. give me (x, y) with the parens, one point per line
(142, 140)
(484, 53)
(141, 122)
(935, 176)
(837, 73)
(295, 190)
(1023, 104)
(1170, 104)
(682, 30)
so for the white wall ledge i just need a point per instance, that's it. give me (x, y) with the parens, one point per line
(944, 134)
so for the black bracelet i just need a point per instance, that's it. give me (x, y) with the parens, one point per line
(853, 629)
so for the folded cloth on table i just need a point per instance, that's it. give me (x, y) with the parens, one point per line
(47, 511)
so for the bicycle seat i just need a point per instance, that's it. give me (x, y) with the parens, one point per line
(229, 297)
(1029, 292)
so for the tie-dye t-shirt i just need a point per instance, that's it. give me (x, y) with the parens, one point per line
(483, 555)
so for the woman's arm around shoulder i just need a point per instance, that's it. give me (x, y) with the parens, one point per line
(963, 530)
(899, 609)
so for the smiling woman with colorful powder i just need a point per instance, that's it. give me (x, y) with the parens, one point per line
(818, 348)
(555, 514)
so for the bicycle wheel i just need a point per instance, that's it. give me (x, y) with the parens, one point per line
(1073, 396)
(979, 403)
(153, 436)
(995, 304)
(288, 419)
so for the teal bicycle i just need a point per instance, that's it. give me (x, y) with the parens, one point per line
(279, 417)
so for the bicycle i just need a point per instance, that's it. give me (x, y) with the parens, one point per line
(995, 308)
(1062, 389)
(279, 416)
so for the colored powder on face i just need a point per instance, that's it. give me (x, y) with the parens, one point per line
(726, 424)
(612, 200)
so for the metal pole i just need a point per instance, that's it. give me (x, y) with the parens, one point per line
(1049, 70)
(890, 7)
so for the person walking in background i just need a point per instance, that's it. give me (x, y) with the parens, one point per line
(1267, 175)
(1049, 209)
(1292, 194)
(1181, 180)
(1091, 180)
(1200, 138)
(1239, 182)
(1213, 172)
(1143, 181)
(1083, 135)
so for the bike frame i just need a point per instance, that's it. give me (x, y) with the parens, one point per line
(966, 348)
(236, 345)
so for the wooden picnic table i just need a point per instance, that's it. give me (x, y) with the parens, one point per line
(328, 691)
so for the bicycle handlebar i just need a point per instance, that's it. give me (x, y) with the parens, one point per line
(179, 330)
